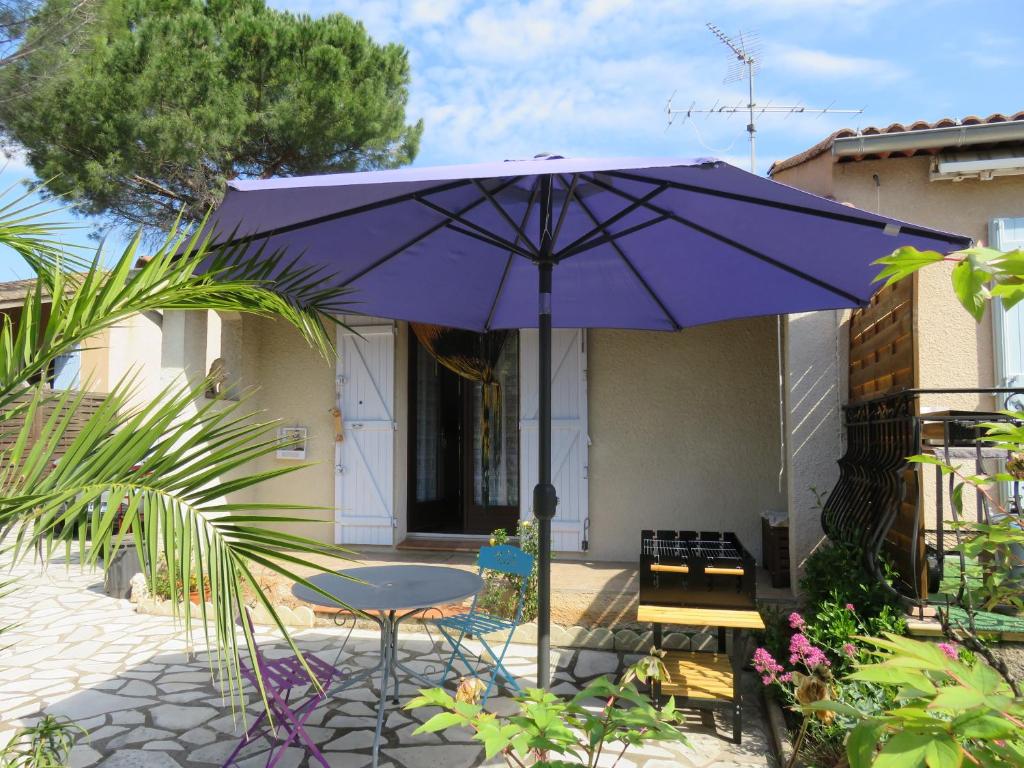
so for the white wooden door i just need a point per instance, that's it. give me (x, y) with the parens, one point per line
(365, 458)
(569, 439)
(1008, 324)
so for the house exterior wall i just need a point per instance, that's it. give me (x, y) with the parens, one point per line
(816, 375)
(683, 429)
(684, 433)
(953, 351)
(295, 385)
(132, 347)
(814, 176)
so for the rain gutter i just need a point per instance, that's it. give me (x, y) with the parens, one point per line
(929, 138)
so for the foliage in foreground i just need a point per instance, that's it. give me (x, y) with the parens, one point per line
(46, 744)
(947, 711)
(812, 650)
(164, 101)
(993, 576)
(550, 732)
(182, 507)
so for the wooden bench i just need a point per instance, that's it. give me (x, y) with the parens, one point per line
(698, 678)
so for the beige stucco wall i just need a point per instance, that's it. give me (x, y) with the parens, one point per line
(683, 429)
(953, 350)
(133, 349)
(296, 385)
(814, 176)
(684, 433)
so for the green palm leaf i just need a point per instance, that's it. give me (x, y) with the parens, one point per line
(178, 461)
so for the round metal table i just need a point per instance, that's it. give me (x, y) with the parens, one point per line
(394, 592)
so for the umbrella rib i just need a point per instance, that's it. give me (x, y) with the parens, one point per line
(419, 238)
(570, 195)
(286, 228)
(735, 244)
(622, 255)
(609, 237)
(480, 232)
(908, 229)
(576, 245)
(520, 229)
(508, 261)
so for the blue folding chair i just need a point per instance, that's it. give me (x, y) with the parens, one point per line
(477, 623)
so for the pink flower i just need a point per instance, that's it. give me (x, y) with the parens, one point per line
(849, 607)
(850, 649)
(766, 666)
(949, 650)
(802, 652)
(796, 621)
(786, 678)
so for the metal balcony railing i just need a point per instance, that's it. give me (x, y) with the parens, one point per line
(902, 512)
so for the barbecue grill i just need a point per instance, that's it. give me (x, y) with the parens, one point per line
(705, 569)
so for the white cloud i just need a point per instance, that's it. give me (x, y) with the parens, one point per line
(810, 64)
(509, 78)
(13, 161)
(432, 12)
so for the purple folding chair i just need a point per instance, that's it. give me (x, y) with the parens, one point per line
(280, 678)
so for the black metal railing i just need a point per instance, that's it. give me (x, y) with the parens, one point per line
(878, 504)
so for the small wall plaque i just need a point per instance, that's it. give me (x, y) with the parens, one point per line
(293, 443)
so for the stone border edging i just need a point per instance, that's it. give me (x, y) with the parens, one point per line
(301, 617)
(781, 745)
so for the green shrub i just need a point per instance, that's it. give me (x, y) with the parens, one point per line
(501, 590)
(948, 710)
(837, 572)
(161, 586)
(46, 744)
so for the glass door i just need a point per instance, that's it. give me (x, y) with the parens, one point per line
(492, 457)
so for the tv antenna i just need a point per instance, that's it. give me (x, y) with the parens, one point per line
(745, 47)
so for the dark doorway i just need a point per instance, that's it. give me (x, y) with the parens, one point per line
(463, 467)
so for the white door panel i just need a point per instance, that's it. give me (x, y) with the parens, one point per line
(364, 466)
(569, 440)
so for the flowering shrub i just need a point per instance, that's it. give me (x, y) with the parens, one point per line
(801, 654)
(946, 711)
(811, 650)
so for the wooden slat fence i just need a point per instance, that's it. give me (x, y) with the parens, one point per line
(12, 424)
(883, 355)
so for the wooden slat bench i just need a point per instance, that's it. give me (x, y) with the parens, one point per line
(702, 679)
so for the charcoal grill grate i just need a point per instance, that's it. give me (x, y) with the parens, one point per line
(658, 548)
(715, 550)
(696, 569)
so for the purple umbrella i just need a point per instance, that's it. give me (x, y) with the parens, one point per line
(591, 243)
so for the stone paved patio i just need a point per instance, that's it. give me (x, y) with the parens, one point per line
(148, 700)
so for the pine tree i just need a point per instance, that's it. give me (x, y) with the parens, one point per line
(168, 100)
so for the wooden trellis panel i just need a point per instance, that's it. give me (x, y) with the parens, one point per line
(11, 425)
(883, 356)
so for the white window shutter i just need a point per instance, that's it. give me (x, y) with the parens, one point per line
(1008, 324)
(67, 369)
(365, 458)
(569, 438)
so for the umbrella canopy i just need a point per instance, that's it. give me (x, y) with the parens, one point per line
(593, 243)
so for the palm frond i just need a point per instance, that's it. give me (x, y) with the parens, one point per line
(180, 463)
(67, 308)
(176, 474)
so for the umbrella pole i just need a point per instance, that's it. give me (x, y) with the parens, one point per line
(544, 500)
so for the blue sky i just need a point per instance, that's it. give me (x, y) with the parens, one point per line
(495, 80)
